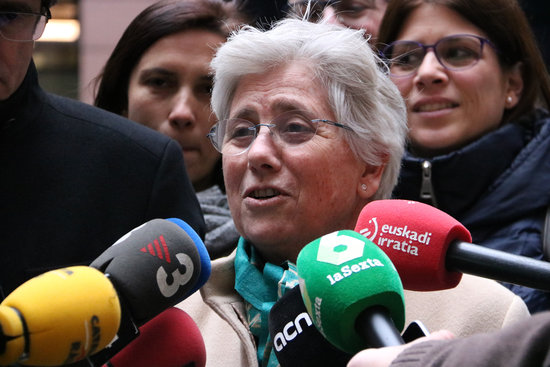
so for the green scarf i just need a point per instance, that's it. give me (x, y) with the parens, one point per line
(261, 284)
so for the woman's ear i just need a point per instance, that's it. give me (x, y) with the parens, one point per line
(370, 180)
(514, 85)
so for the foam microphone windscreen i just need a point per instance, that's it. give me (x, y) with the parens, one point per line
(431, 249)
(206, 266)
(59, 317)
(153, 267)
(416, 237)
(296, 340)
(171, 339)
(342, 276)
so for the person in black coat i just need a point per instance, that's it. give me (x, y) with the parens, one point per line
(74, 178)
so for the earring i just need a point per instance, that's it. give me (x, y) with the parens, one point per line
(364, 187)
(509, 99)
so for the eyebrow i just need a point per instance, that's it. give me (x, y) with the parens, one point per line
(280, 106)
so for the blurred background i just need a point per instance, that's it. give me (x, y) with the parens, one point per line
(78, 40)
(82, 34)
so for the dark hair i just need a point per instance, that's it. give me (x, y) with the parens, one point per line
(153, 23)
(45, 6)
(505, 24)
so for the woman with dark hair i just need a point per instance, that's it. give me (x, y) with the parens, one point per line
(477, 95)
(158, 75)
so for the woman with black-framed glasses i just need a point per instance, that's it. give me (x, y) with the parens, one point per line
(477, 94)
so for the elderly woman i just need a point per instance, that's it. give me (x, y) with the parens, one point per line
(310, 131)
(472, 78)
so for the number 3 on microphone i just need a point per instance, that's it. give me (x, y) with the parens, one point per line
(179, 279)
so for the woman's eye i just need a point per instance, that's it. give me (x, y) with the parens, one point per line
(205, 89)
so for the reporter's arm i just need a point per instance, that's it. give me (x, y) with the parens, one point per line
(523, 344)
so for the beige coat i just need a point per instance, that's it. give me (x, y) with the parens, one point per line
(475, 305)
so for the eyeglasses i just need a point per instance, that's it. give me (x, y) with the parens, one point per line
(457, 52)
(234, 136)
(22, 27)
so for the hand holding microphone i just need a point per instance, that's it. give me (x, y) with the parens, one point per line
(352, 291)
(431, 249)
(59, 317)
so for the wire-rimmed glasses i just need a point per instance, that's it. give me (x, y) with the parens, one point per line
(235, 135)
(456, 52)
(22, 27)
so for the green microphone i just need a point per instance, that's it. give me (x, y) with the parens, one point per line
(352, 291)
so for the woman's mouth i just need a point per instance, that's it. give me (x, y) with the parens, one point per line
(430, 107)
(264, 193)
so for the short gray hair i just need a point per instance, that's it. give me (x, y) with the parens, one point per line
(360, 92)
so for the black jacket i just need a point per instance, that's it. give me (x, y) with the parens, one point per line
(498, 187)
(74, 179)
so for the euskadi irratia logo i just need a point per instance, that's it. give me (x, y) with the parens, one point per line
(395, 237)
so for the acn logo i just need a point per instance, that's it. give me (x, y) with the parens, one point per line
(291, 330)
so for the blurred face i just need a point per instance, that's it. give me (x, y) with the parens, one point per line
(169, 91)
(448, 109)
(358, 14)
(15, 56)
(282, 199)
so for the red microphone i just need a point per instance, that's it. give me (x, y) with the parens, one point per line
(431, 249)
(170, 339)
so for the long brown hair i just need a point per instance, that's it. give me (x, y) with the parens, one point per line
(155, 22)
(505, 24)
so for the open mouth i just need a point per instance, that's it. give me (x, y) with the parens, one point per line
(430, 107)
(264, 193)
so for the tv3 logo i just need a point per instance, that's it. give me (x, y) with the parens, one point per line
(179, 279)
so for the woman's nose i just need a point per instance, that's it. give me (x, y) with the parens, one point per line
(329, 16)
(182, 114)
(264, 151)
(430, 70)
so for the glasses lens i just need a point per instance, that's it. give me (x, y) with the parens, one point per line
(458, 52)
(21, 26)
(232, 136)
(404, 57)
(294, 128)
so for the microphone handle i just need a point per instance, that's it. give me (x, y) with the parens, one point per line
(498, 265)
(377, 329)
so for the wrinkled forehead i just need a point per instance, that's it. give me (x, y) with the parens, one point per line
(20, 5)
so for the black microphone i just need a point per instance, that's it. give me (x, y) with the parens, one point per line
(153, 267)
(296, 340)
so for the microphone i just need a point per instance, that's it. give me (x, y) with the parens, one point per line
(431, 249)
(296, 340)
(153, 267)
(352, 291)
(59, 317)
(171, 339)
